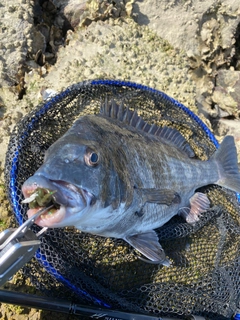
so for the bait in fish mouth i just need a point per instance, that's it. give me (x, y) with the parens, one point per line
(115, 175)
(40, 198)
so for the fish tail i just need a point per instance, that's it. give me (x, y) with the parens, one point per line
(226, 158)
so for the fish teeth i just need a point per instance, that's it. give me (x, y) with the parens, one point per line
(31, 198)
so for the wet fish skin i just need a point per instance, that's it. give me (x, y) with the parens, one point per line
(140, 181)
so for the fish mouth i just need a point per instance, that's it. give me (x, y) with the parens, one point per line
(66, 198)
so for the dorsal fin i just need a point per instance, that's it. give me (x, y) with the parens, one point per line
(174, 137)
(168, 135)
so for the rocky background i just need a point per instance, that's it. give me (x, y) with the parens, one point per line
(190, 49)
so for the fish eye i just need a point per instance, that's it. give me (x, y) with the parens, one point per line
(91, 158)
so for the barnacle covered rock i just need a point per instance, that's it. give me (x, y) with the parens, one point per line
(226, 92)
(77, 13)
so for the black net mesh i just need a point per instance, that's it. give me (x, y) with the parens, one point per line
(204, 278)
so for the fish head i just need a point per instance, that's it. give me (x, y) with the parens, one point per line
(86, 182)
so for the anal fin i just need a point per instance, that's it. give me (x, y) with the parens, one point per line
(199, 203)
(147, 243)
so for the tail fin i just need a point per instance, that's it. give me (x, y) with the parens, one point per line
(226, 158)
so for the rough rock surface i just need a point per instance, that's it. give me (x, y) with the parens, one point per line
(226, 94)
(188, 49)
(205, 30)
(192, 25)
(16, 23)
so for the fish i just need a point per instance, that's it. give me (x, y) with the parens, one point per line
(115, 175)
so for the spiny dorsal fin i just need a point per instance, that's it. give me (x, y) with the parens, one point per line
(174, 137)
(168, 135)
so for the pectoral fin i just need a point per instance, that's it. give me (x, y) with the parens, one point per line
(199, 203)
(159, 196)
(147, 243)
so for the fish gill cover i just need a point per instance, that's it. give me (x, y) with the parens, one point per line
(203, 278)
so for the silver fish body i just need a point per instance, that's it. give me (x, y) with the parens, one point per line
(117, 176)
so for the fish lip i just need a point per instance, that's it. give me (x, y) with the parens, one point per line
(46, 219)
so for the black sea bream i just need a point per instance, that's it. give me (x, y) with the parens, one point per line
(115, 175)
